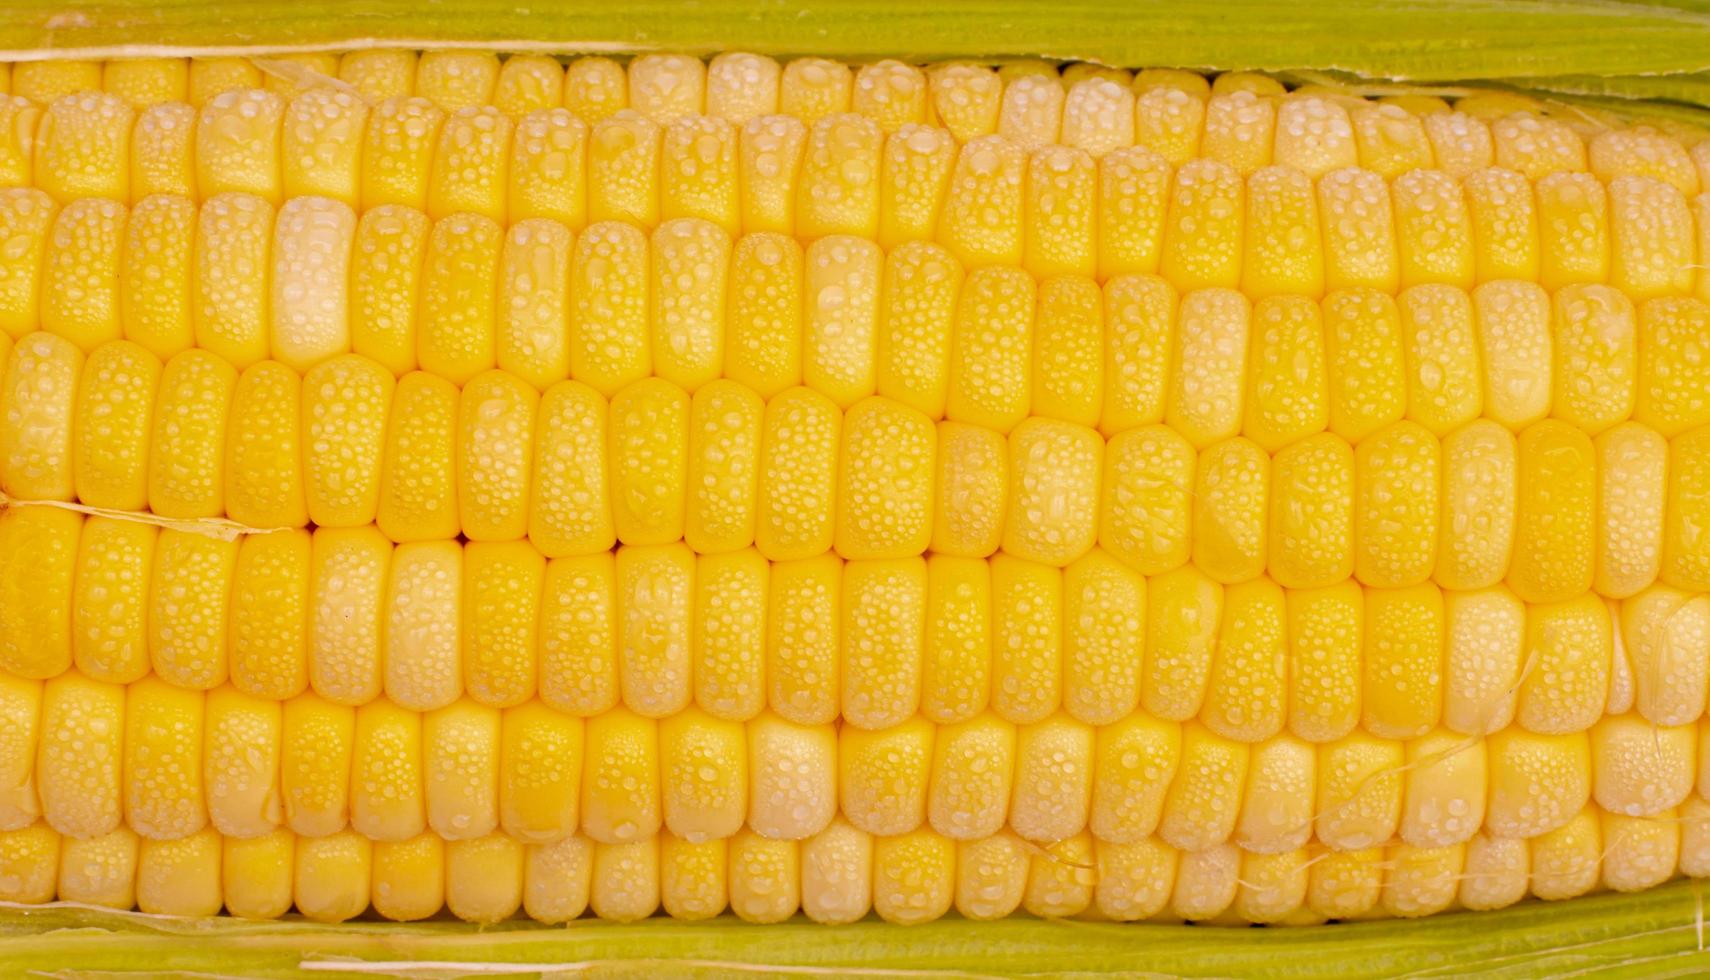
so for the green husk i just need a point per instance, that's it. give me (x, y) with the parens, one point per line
(1657, 933)
(1646, 58)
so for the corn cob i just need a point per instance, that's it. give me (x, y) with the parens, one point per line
(1309, 493)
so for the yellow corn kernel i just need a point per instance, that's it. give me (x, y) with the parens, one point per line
(793, 771)
(18, 119)
(965, 98)
(1054, 473)
(233, 273)
(461, 747)
(1287, 392)
(332, 876)
(1239, 130)
(1595, 357)
(29, 857)
(502, 583)
(1444, 790)
(417, 493)
(1573, 229)
(80, 272)
(1434, 231)
(725, 423)
(1555, 540)
(972, 481)
(1530, 143)
(1148, 490)
(1061, 879)
(982, 223)
(1359, 791)
(1444, 380)
(1277, 802)
(769, 156)
(1639, 769)
(703, 763)
(1103, 602)
(1396, 506)
(1671, 398)
(1537, 782)
(1345, 884)
(109, 605)
(1402, 674)
(891, 93)
(456, 79)
(1098, 117)
(1566, 681)
(82, 147)
(625, 880)
(189, 589)
(798, 471)
(1283, 250)
(1565, 861)
(1692, 835)
(78, 765)
(973, 776)
(548, 174)
(742, 86)
(1312, 512)
(1686, 550)
(1170, 121)
(40, 446)
(1314, 136)
(212, 76)
(1027, 638)
(1203, 233)
(838, 189)
(101, 870)
(803, 643)
(155, 277)
(1246, 698)
(609, 326)
(378, 74)
(38, 561)
(163, 786)
(1031, 113)
(664, 87)
(1141, 314)
(386, 801)
(44, 81)
(1134, 765)
(1420, 880)
(914, 877)
(1068, 351)
(143, 82)
(180, 877)
(1639, 852)
(345, 401)
(268, 629)
(655, 607)
(623, 169)
(1054, 779)
(556, 879)
(423, 667)
(1477, 523)
(533, 308)
(1208, 366)
(648, 453)
(1183, 609)
(457, 322)
(347, 591)
(1504, 225)
(956, 673)
(1325, 630)
(840, 332)
(1652, 244)
(1632, 462)
(540, 766)
(1230, 510)
(1460, 143)
(691, 259)
(528, 83)
(1360, 232)
(762, 342)
(578, 634)
(238, 136)
(291, 74)
(1485, 649)
(1204, 801)
(1390, 140)
(398, 152)
(1642, 151)
(1495, 874)
(569, 513)
(1363, 340)
(20, 708)
(698, 172)
(1133, 193)
(1515, 342)
(883, 630)
(495, 445)
(255, 874)
(241, 756)
(694, 877)
(26, 217)
(919, 297)
(1272, 886)
(885, 474)
(1663, 631)
(883, 776)
(484, 878)
(991, 875)
(315, 764)
(321, 145)
(595, 88)
(914, 176)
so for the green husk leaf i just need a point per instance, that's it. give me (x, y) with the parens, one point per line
(1656, 933)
